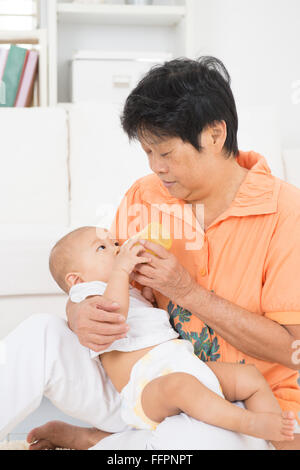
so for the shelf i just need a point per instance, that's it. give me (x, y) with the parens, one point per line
(39, 37)
(65, 16)
(21, 37)
(139, 15)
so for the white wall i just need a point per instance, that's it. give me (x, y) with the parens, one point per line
(259, 42)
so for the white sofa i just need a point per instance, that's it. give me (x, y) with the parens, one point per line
(60, 169)
(69, 166)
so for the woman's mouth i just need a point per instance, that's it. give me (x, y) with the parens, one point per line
(168, 184)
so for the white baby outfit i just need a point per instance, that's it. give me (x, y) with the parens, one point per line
(149, 327)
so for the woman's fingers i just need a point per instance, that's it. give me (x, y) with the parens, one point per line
(141, 260)
(104, 327)
(107, 329)
(146, 270)
(159, 250)
(107, 304)
(97, 348)
(106, 317)
(148, 294)
(102, 341)
(144, 280)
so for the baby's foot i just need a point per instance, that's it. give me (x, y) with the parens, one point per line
(288, 445)
(274, 427)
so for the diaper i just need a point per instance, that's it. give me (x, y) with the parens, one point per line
(169, 357)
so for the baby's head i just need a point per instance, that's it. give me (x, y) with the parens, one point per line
(84, 255)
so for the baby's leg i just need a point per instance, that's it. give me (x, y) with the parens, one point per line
(242, 382)
(180, 392)
(245, 383)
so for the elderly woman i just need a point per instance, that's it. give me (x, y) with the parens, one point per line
(230, 281)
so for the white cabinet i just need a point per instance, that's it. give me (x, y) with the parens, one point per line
(73, 26)
(109, 77)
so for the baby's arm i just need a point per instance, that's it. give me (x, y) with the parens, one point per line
(118, 283)
(118, 290)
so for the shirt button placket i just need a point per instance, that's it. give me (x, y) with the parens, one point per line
(204, 270)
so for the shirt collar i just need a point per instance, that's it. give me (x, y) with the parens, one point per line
(257, 195)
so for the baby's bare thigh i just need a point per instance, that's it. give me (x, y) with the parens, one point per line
(238, 381)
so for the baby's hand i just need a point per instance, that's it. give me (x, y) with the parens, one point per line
(128, 257)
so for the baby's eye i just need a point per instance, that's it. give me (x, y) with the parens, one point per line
(101, 247)
(117, 244)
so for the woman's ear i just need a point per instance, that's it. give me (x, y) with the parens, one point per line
(73, 278)
(219, 133)
(214, 135)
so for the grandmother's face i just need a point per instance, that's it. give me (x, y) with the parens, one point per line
(186, 173)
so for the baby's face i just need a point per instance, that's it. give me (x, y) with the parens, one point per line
(95, 250)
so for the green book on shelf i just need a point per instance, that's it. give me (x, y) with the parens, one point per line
(13, 73)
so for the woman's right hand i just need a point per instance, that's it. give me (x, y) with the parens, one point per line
(96, 323)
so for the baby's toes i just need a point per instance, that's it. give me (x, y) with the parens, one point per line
(287, 435)
(288, 424)
(288, 419)
(288, 415)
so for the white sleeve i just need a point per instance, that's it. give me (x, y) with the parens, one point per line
(81, 291)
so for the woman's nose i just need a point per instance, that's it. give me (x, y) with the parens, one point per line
(158, 166)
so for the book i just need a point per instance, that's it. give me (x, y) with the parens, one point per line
(22, 75)
(25, 92)
(3, 59)
(12, 73)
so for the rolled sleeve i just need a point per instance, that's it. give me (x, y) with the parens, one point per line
(281, 287)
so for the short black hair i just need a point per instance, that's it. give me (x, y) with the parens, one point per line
(179, 99)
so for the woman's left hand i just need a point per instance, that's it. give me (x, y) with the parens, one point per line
(164, 273)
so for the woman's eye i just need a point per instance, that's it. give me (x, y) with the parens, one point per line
(101, 247)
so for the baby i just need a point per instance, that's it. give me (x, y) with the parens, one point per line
(157, 374)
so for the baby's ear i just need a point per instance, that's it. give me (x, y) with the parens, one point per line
(72, 279)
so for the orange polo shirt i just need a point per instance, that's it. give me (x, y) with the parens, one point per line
(250, 255)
